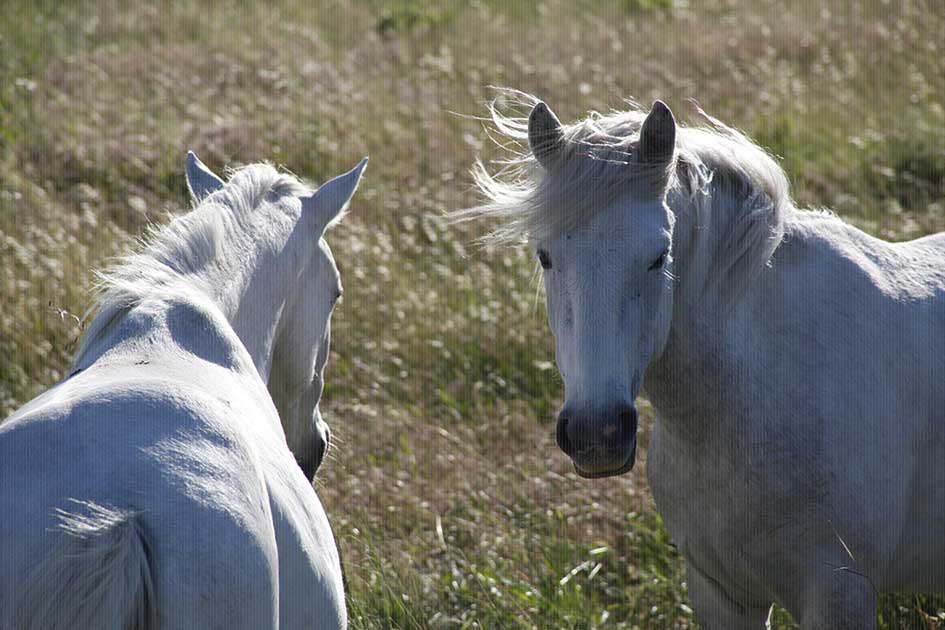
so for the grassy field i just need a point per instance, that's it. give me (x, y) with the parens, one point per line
(452, 505)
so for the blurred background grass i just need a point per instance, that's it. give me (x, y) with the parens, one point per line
(452, 505)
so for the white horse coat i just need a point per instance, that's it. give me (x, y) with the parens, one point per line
(153, 487)
(796, 364)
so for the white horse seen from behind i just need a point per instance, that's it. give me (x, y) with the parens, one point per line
(166, 481)
(796, 364)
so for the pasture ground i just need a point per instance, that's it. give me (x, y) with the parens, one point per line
(452, 505)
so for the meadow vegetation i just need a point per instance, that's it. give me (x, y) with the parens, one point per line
(451, 503)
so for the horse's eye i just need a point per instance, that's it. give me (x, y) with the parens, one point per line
(338, 294)
(659, 262)
(544, 259)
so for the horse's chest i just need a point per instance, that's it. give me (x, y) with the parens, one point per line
(712, 516)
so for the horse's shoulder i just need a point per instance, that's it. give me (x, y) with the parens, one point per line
(199, 328)
(179, 328)
(151, 420)
(165, 365)
(818, 231)
(830, 255)
(827, 235)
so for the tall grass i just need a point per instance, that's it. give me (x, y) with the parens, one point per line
(452, 506)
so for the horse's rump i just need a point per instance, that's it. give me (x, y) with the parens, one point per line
(96, 575)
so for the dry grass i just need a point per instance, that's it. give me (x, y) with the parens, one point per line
(452, 505)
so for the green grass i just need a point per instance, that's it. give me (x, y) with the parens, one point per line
(452, 505)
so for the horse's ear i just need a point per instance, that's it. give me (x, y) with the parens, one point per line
(328, 203)
(545, 137)
(200, 180)
(658, 135)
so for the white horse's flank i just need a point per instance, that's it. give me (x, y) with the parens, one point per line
(797, 365)
(155, 486)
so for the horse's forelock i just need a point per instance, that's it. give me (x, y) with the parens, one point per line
(248, 186)
(597, 163)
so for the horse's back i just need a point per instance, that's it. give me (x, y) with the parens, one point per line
(920, 556)
(161, 453)
(826, 404)
(171, 427)
(866, 328)
(874, 307)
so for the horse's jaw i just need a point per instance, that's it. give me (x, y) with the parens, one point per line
(627, 467)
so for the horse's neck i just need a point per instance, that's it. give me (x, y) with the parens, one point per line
(686, 384)
(249, 298)
(691, 244)
(256, 318)
(249, 294)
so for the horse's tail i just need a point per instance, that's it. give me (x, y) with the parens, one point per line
(97, 575)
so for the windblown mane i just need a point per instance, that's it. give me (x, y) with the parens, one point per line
(169, 255)
(737, 194)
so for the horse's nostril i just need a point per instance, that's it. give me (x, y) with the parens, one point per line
(628, 422)
(322, 449)
(561, 435)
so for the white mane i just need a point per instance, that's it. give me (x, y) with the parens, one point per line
(170, 256)
(736, 193)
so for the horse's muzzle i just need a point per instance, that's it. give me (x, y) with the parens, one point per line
(314, 455)
(626, 467)
(600, 444)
